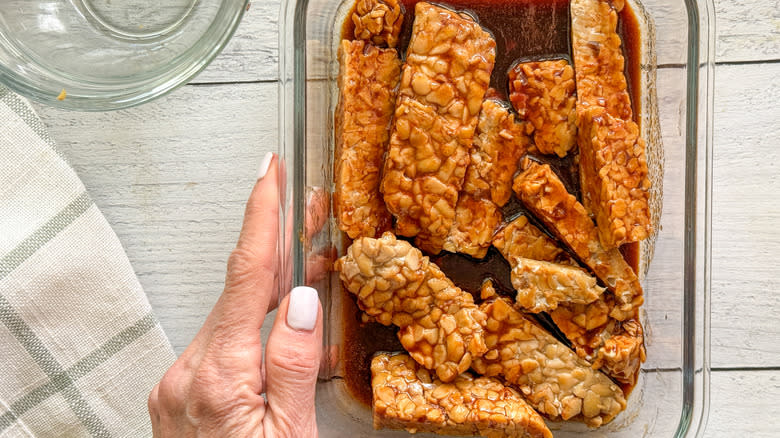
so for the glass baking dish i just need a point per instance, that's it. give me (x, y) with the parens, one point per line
(676, 65)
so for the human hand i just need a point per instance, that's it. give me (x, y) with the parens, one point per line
(215, 387)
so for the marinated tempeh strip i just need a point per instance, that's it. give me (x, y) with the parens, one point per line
(498, 145)
(617, 347)
(551, 377)
(445, 77)
(368, 78)
(541, 285)
(521, 239)
(543, 92)
(440, 326)
(598, 58)
(378, 21)
(476, 219)
(543, 193)
(613, 177)
(428, 199)
(405, 396)
(613, 166)
(595, 336)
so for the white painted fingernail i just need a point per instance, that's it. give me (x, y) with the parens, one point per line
(303, 308)
(265, 163)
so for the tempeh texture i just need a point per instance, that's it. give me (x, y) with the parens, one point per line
(475, 221)
(551, 377)
(613, 165)
(544, 194)
(443, 82)
(541, 286)
(541, 283)
(498, 145)
(613, 177)
(368, 78)
(405, 396)
(607, 331)
(543, 93)
(520, 239)
(440, 326)
(378, 21)
(617, 347)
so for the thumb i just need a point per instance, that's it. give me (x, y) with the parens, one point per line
(292, 362)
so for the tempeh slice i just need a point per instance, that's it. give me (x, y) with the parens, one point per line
(598, 58)
(405, 396)
(540, 282)
(443, 82)
(617, 347)
(613, 177)
(521, 239)
(440, 326)
(476, 219)
(613, 165)
(368, 78)
(543, 93)
(551, 377)
(378, 21)
(498, 145)
(544, 194)
(542, 286)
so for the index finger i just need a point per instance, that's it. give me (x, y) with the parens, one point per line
(251, 282)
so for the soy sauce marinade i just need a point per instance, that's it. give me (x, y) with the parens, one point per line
(523, 30)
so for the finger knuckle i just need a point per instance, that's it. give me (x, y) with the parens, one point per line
(248, 266)
(172, 391)
(298, 363)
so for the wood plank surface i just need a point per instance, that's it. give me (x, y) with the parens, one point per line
(744, 404)
(747, 30)
(746, 217)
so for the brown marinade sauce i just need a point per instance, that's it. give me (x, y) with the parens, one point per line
(524, 30)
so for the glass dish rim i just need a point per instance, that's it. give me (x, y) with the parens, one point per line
(187, 65)
(698, 173)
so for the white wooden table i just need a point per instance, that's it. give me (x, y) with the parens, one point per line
(172, 177)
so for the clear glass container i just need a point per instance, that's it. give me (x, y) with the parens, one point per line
(97, 55)
(676, 64)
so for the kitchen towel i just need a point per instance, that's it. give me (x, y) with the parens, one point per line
(80, 348)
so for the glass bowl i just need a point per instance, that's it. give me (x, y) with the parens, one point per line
(97, 55)
(676, 77)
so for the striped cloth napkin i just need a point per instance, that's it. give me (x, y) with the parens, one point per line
(79, 346)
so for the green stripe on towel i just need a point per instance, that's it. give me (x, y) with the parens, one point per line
(9, 317)
(17, 105)
(78, 370)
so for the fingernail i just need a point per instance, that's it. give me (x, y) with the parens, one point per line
(303, 308)
(265, 163)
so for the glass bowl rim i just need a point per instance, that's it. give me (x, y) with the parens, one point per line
(183, 68)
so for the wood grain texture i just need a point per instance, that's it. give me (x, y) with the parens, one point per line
(744, 404)
(747, 30)
(253, 52)
(746, 215)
